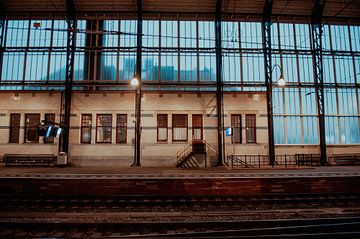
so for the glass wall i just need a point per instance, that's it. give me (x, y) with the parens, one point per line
(183, 51)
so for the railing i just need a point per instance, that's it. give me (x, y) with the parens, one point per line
(262, 160)
(212, 148)
(183, 152)
(238, 161)
(308, 159)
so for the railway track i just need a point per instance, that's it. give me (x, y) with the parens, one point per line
(300, 228)
(26, 203)
(171, 216)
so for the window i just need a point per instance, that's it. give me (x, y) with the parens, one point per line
(14, 128)
(250, 128)
(121, 128)
(103, 128)
(236, 127)
(31, 123)
(180, 127)
(49, 118)
(86, 128)
(162, 127)
(197, 127)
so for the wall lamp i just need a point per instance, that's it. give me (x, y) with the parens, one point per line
(134, 81)
(281, 81)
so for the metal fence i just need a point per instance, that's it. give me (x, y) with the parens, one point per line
(261, 160)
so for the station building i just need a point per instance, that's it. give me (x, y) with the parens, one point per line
(206, 72)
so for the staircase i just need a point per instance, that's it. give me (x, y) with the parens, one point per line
(192, 156)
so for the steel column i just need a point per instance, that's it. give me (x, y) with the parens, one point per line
(2, 34)
(137, 148)
(70, 54)
(266, 33)
(316, 27)
(219, 86)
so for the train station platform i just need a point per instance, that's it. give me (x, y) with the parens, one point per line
(220, 181)
(172, 172)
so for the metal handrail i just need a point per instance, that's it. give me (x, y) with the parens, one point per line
(183, 152)
(211, 147)
(261, 160)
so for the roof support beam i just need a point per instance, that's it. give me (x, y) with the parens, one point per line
(137, 148)
(70, 54)
(219, 86)
(316, 27)
(266, 33)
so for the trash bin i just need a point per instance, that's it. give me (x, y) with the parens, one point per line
(62, 159)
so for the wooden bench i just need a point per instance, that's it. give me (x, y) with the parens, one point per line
(29, 159)
(308, 159)
(346, 159)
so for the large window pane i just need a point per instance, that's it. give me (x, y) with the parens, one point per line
(293, 131)
(302, 32)
(236, 128)
(355, 37)
(40, 33)
(169, 33)
(150, 66)
(197, 127)
(151, 33)
(180, 127)
(31, 132)
(121, 128)
(162, 127)
(169, 66)
(344, 70)
(207, 67)
(206, 34)
(340, 37)
(86, 125)
(57, 66)
(109, 64)
(286, 36)
(36, 66)
(128, 29)
(310, 125)
(279, 130)
(103, 128)
(332, 130)
(17, 33)
(111, 36)
(60, 33)
(188, 34)
(250, 125)
(231, 68)
(127, 66)
(13, 66)
(306, 72)
(251, 36)
(253, 68)
(188, 67)
(349, 129)
(230, 34)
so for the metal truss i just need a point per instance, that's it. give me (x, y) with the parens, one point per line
(316, 27)
(266, 32)
(137, 148)
(70, 55)
(219, 86)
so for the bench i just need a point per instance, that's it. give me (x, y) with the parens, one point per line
(29, 159)
(346, 159)
(308, 159)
